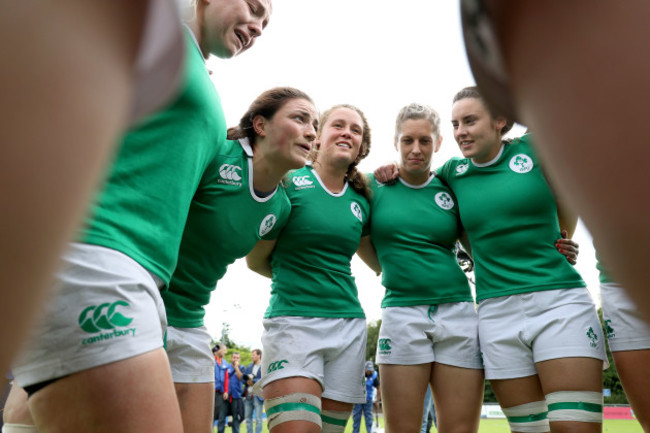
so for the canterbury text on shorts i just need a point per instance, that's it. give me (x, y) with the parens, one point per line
(625, 328)
(330, 350)
(517, 331)
(445, 333)
(190, 355)
(105, 308)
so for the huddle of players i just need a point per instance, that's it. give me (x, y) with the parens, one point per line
(158, 239)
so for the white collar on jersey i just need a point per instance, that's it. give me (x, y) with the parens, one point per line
(340, 194)
(427, 182)
(492, 161)
(246, 145)
(196, 42)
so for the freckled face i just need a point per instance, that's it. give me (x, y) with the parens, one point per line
(341, 136)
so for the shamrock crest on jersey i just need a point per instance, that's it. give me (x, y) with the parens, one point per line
(229, 174)
(444, 200)
(302, 182)
(267, 224)
(462, 168)
(356, 210)
(521, 163)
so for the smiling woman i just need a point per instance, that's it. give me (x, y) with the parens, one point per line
(314, 328)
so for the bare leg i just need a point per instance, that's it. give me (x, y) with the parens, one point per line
(340, 408)
(293, 385)
(458, 397)
(16, 410)
(572, 374)
(65, 99)
(402, 391)
(516, 392)
(133, 395)
(632, 367)
(196, 401)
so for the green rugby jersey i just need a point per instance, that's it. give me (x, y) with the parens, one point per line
(414, 230)
(311, 259)
(225, 221)
(142, 207)
(510, 216)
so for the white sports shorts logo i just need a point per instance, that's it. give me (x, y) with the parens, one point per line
(444, 200)
(229, 171)
(267, 224)
(302, 181)
(356, 210)
(521, 163)
(462, 168)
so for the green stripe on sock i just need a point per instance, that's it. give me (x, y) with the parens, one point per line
(530, 418)
(285, 407)
(335, 421)
(578, 405)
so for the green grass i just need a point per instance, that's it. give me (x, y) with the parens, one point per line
(501, 426)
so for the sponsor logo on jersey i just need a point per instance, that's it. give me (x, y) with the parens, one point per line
(230, 174)
(302, 182)
(356, 210)
(384, 346)
(592, 336)
(462, 168)
(105, 317)
(277, 365)
(521, 163)
(609, 329)
(267, 224)
(444, 200)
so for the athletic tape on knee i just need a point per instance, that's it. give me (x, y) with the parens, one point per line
(334, 421)
(528, 418)
(583, 406)
(19, 428)
(293, 407)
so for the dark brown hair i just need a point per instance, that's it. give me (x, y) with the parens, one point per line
(473, 92)
(265, 105)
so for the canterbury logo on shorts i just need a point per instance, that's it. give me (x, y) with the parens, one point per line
(105, 317)
(384, 345)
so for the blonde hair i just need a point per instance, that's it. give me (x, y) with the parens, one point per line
(417, 111)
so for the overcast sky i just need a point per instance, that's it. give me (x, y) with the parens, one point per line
(372, 54)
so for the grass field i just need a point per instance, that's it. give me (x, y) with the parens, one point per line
(501, 426)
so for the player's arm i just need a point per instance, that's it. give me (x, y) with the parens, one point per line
(368, 254)
(259, 259)
(568, 220)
